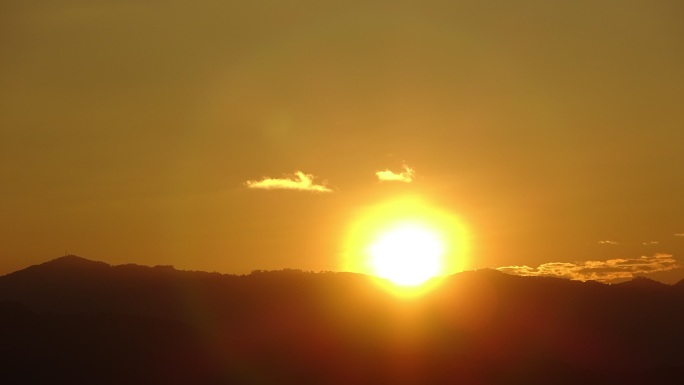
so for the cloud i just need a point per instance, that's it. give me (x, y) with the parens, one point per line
(679, 235)
(298, 181)
(405, 176)
(598, 270)
(607, 243)
(651, 243)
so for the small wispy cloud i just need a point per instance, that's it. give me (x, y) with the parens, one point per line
(299, 181)
(607, 243)
(679, 235)
(405, 176)
(651, 243)
(598, 270)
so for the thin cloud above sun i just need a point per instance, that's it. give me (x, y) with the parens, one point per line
(405, 176)
(598, 270)
(299, 181)
(607, 243)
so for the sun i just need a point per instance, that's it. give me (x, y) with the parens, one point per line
(406, 242)
(407, 254)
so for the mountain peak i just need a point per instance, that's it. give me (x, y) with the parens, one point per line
(68, 264)
(68, 258)
(73, 260)
(641, 281)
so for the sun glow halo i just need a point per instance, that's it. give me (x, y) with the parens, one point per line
(405, 242)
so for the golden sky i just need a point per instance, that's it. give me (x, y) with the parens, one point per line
(238, 135)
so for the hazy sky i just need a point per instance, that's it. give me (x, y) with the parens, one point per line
(147, 131)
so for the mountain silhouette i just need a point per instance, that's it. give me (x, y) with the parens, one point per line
(72, 320)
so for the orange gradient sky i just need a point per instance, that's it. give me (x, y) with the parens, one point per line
(239, 135)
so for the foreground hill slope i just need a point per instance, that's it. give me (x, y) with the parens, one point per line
(85, 322)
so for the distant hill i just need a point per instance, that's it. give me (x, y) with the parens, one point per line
(670, 277)
(79, 321)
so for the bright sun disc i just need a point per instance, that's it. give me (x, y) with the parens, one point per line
(407, 243)
(407, 255)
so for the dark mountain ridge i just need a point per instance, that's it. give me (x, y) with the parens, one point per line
(125, 324)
